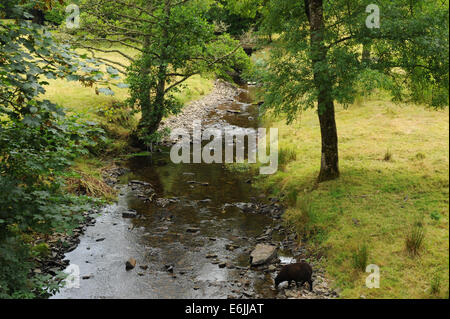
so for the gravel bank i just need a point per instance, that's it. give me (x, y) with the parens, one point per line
(222, 92)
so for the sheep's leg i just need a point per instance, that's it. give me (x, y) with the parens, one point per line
(310, 285)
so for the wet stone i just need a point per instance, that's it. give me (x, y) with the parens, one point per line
(130, 264)
(229, 266)
(231, 247)
(129, 214)
(263, 254)
(169, 268)
(193, 230)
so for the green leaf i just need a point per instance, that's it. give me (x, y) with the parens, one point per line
(106, 91)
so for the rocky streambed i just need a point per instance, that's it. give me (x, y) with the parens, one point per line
(187, 230)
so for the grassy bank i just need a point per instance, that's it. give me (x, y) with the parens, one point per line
(394, 163)
(85, 102)
(110, 111)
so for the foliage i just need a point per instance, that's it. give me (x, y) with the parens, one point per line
(37, 143)
(174, 40)
(41, 249)
(237, 17)
(57, 15)
(27, 56)
(412, 37)
(118, 113)
(324, 51)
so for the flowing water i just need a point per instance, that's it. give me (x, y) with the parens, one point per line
(158, 238)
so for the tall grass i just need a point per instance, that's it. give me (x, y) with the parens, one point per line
(385, 197)
(414, 240)
(360, 257)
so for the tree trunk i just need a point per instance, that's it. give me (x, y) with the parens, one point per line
(329, 165)
(329, 168)
(153, 109)
(366, 53)
(38, 16)
(153, 114)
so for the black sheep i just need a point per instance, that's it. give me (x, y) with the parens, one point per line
(299, 273)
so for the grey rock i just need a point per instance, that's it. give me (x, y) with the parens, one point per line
(130, 264)
(263, 254)
(129, 214)
(192, 229)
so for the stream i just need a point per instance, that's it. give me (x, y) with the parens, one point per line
(193, 240)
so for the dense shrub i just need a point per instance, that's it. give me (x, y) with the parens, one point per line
(37, 144)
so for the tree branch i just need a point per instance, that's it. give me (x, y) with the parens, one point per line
(187, 76)
(107, 51)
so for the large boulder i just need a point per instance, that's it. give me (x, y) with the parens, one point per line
(263, 254)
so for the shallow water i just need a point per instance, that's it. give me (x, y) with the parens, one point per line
(158, 237)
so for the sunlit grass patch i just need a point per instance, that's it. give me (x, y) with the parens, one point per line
(381, 194)
(117, 121)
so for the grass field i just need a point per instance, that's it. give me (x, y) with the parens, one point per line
(394, 163)
(84, 101)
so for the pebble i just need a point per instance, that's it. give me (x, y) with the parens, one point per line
(130, 264)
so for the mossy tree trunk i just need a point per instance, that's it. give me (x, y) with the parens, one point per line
(329, 168)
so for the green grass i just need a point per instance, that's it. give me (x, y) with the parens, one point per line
(86, 102)
(7, 21)
(394, 163)
(195, 87)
